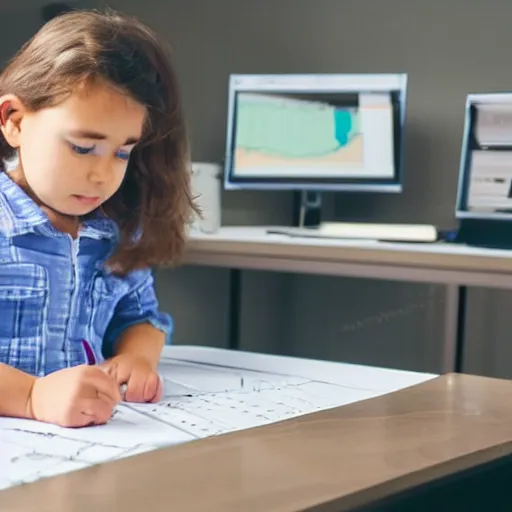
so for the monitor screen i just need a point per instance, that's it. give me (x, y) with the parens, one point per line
(485, 178)
(320, 132)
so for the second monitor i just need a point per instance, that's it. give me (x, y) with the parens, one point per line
(314, 133)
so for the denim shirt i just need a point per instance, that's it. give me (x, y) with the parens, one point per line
(55, 291)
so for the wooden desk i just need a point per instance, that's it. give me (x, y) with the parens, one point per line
(340, 459)
(454, 266)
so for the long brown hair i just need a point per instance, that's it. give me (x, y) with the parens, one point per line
(154, 204)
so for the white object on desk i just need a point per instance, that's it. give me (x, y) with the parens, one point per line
(206, 392)
(206, 187)
(364, 231)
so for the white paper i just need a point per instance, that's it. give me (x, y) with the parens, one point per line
(207, 392)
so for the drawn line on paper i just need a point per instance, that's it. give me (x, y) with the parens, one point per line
(236, 370)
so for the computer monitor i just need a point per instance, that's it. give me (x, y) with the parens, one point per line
(320, 132)
(485, 174)
(316, 132)
(484, 193)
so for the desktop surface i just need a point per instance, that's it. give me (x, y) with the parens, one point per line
(256, 241)
(342, 459)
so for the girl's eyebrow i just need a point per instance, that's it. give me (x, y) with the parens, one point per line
(87, 134)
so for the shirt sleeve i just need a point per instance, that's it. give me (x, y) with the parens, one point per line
(140, 305)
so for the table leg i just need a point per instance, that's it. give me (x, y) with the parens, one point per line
(461, 329)
(455, 320)
(235, 308)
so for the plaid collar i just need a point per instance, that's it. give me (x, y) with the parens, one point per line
(20, 215)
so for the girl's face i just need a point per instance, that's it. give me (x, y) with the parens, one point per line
(74, 156)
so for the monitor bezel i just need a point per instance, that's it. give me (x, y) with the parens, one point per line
(359, 83)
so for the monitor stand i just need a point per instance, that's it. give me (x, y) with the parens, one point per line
(309, 211)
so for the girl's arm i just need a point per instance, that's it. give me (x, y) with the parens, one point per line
(15, 391)
(142, 340)
(134, 341)
(138, 327)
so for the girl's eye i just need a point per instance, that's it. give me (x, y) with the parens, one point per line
(81, 150)
(89, 150)
(123, 155)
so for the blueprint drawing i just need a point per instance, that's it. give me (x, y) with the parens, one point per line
(200, 400)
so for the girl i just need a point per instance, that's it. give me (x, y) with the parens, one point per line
(98, 192)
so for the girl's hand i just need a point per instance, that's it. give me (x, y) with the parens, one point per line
(143, 384)
(74, 397)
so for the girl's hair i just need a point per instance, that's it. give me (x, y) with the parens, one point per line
(154, 204)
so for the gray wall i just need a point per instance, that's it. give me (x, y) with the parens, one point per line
(448, 48)
(22, 19)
